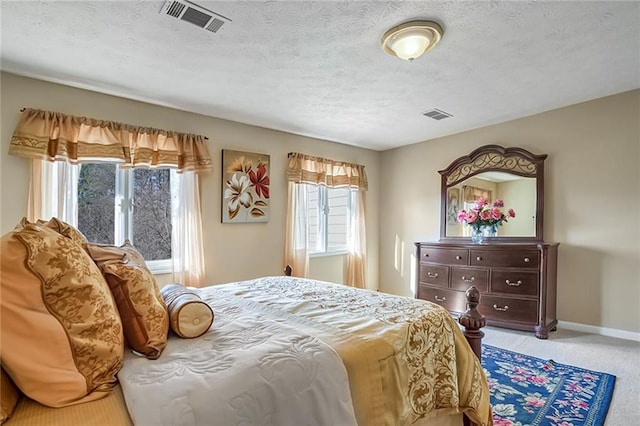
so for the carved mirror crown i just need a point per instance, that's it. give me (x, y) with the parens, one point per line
(514, 175)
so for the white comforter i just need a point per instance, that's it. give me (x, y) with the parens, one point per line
(249, 369)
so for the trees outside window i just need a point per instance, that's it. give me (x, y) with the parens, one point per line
(96, 201)
(152, 213)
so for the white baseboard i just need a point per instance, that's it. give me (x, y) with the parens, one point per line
(604, 331)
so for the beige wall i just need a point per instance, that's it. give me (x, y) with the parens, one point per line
(592, 203)
(232, 251)
(327, 268)
(519, 193)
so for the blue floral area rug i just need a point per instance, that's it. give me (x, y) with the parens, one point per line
(532, 391)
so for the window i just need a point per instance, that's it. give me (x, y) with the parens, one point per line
(117, 204)
(328, 219)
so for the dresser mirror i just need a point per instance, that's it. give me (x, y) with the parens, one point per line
(514, 175)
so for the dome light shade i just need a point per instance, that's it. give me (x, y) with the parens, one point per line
(410, 40)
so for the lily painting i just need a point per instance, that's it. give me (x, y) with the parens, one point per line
(245, 187)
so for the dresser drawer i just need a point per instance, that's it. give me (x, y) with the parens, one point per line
(445, 256)
(435, 275)
(505, 258)
(453, 301)
(514, 282)
(506, 309)
(463, 278)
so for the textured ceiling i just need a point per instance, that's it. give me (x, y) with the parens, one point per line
(316, 68)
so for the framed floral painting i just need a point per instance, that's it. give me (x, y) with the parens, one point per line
(245, 187)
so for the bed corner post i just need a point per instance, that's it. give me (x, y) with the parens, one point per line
(287, 270)
(473, 321)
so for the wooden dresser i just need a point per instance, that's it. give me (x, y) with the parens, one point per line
(517, 281)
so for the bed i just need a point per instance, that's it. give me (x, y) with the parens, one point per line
(252, 313)
(292, 351)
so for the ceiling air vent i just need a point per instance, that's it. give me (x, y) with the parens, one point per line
(437, 114)
(194, 14)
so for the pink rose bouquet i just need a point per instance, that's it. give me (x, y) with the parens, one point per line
(485, 215)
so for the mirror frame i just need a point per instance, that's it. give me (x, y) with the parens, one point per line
(494, 158)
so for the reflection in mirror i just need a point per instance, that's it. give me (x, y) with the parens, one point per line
(518, 193)
(513, 175)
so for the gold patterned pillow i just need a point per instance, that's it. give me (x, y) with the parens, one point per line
(62, 339)
(144, 314)
(63, 228)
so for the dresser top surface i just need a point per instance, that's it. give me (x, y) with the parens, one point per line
(489, 246)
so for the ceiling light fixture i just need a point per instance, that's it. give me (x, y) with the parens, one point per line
(410, 40)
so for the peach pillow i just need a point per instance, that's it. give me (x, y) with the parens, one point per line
(9, 396)
(189, 315)
(143, 312)
(62, 339)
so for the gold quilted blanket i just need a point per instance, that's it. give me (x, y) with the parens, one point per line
(406, 358)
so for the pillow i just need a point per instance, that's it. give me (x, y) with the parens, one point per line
(63, 228)
(9, 396)
(144, 315)
(62, 339)
(189, 315)
(101, 253)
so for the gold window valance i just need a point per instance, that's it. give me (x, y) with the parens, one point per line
(55, 136)
(471, 193)
(322, 171)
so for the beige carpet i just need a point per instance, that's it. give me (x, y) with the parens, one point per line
(607, 354)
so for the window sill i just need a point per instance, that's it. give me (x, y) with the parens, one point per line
(158, 267)
(329, 254)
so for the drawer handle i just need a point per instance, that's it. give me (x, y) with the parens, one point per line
(514, 284)
(440, 299)
(479, 258)
(526, 260)
(501, 309)
(458, 257)
(432, 275)
(469, 280)
(426, 255)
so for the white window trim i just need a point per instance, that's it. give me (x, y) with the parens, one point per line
(329, 253)
(323, 218)
(123, 205)
(123, 218)
(158, 267)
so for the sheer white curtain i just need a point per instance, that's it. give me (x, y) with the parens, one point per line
(53, 191)
(186, 230)
(356, 262)
(296, 244)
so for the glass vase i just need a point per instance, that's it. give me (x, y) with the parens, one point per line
(490, 231)
(478, 235)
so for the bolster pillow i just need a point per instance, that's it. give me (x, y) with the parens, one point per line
(189, 315)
